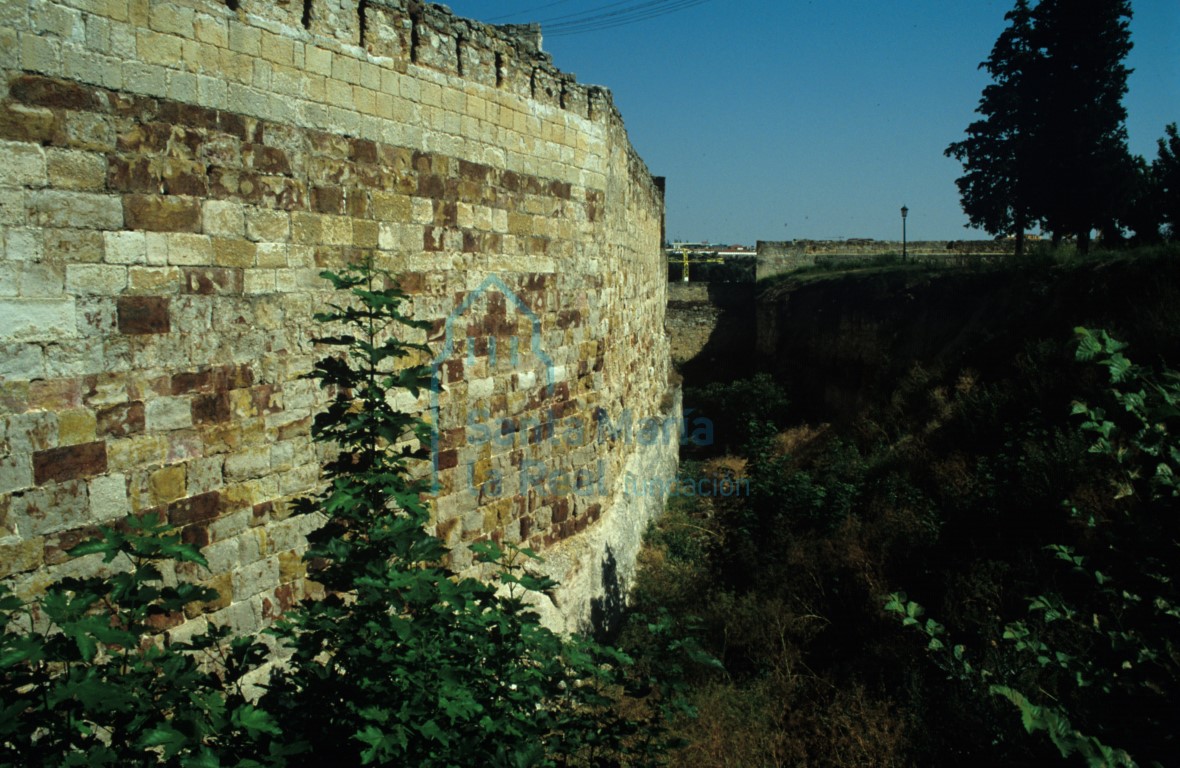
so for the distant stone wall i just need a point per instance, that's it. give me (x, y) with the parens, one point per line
(711, 329)
(778, 256)
(173, 178)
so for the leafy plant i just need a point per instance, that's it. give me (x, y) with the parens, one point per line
(405, 662)
(86, 679)
(1103, 641)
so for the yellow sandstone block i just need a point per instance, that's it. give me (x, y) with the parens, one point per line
(278, 49)
(167, 484)
(291, 567)
(136, 451)
(76, 426)
(235, 66)
(158, 48)
(213, 31)
(154, 280)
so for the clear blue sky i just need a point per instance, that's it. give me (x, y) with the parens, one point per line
(786, 119)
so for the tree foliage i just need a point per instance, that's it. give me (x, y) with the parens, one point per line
(1166, 176)
(996, 188)
(1050, 146)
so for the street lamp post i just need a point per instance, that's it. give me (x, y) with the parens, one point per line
(904, 211)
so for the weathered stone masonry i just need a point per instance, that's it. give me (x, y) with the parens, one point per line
(174, 176)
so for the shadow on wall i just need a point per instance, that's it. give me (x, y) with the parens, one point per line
(712, 328)
(606, 612)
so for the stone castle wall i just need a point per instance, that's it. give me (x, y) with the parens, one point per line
(173, 178)
(779, 256)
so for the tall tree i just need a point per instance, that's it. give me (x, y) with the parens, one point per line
(999, 152)
(1166, 175)
(1084, 170)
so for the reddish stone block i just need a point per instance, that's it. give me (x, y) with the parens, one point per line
(159, 213)
(362, 151)
(476, 172)
(143, 314)
(239, 126)
(431, 242)
(160, 138)
(70, 463)
(560, 189)
(189, 115)
(63, 94)
(356, 203)
(447, 459)
(453, 371)
(282, 193)
(195, 509)
(294, 429)
(472, 242)
(264, 159)
(261, 513)
(234, 377)
(55, 394)
(411, 282)
(131, 175)
(34, 126)
(327, 199)
(212, 281)
(180, 178)
(561, 509)
(58, 545)
(213, 408)
(196, 535)
(121, 420)
(431, 185)
(452, 438)
(160, 620)
(187, 383)
(264, 400)
(446, 213)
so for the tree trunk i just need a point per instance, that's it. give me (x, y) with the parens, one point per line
(1019, 234)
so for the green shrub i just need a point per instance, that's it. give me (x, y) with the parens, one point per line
(86, 680)
(1093, 662)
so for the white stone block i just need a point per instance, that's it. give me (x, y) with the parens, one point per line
(108, 497)
(168, 413)
(23, 165)
(125, 247)
(25, 319)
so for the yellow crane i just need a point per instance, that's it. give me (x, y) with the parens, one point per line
(696, 257)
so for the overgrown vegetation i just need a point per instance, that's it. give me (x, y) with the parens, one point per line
(1028, 514)
(403, 663)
